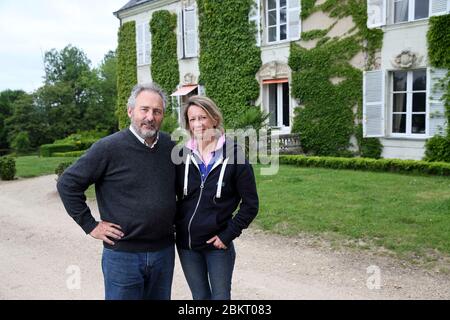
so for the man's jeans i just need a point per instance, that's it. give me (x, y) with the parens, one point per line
(136, 276)
(213, 265)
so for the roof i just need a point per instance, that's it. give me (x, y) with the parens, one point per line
(131, 4)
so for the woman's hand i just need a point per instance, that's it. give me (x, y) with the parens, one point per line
(217, 242)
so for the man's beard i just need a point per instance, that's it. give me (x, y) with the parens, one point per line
(147, 134)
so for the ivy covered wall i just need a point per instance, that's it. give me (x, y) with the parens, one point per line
(126, 70)
(438, 37)
(164, 65)
(229, 58)
(326, 122)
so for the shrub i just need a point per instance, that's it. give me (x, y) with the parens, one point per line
(253, 117)
(75, 142)
(47, 150)
(59, 170)
(387, 165)
(82, 140)
(69, 154)
(438, 149)
(368, 147)
(7, 168)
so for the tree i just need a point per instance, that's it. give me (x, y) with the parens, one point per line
(101, 115)
(76, 97)
(7, 98)
(27, 118)
(68, 65)
(21, 143)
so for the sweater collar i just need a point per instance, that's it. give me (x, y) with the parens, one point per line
(142, 140)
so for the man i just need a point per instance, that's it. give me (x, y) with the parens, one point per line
(134, 181)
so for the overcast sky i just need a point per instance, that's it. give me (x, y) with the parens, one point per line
(29, 28)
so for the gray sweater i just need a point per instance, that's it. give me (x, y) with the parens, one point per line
(134, 186)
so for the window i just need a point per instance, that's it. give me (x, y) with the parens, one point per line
(278, 104)
(282, 20)
(409, 96)
(189, 33)
(410, 10)
(276, 20)
(143, 43)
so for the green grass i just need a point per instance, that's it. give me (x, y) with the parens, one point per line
(34, 166)
(407, 214)
(403, 213)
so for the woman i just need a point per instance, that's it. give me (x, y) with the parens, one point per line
(213, 180)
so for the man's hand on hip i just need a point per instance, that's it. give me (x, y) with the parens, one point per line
(107, 229)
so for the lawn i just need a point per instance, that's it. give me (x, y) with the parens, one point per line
(33, 166)
(407, 214)
(404, 213)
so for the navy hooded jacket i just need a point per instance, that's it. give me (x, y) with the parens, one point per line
(205, 209)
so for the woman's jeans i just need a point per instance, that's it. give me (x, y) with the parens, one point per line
(208, 272)
(138, 276)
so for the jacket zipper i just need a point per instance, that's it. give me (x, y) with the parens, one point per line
(195, 211)
(198, 202)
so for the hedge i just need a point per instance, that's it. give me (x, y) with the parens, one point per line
(7, 168)
(69, 154)
(384, 165)
(47, 150)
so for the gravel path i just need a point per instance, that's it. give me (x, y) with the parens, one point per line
(42, 249)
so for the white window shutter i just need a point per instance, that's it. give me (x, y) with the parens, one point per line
(373, 104)
(190, 33)
(293, 20)
(436, 109)
(439, 7)
(255, 17)
(147, 42)
(180, 41)
(139, 48)
(376, 13)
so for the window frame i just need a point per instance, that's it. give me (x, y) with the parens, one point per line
(411, 12)
(409, 105)
(144, 44)
(185, 31)
(278, 23)
(279, 104)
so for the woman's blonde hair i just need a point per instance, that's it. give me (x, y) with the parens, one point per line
(210, 108)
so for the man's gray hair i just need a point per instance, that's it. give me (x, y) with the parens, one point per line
(152, 87)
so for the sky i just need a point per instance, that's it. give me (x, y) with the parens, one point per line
(29, 28)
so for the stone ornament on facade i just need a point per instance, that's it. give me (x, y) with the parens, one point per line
(189, 78)
(407, 60)
(273, 70)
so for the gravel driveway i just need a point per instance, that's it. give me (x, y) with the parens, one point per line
(45, 255)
